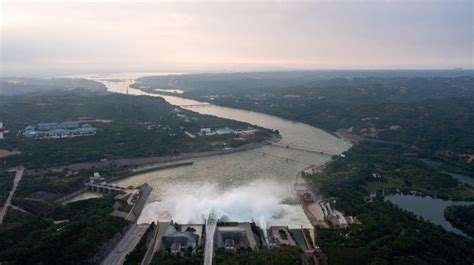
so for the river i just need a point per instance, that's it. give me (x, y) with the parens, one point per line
(243, 186)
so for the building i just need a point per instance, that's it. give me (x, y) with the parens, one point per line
(205, 131)
(69, 125)
(196, 229)
(272, 242)
(247, 134)
(281, 235)
(337, 219)
(47, 126)
(229, 245)
(53, 131)
(222, 131)
(176, 242)
(234, 237)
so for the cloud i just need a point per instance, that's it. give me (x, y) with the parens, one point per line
(202, 36)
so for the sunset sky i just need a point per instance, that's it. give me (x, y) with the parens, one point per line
(69, 37)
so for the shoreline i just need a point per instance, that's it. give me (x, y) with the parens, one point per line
(151, 161)
(142, 161)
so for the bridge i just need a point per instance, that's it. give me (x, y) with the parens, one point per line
(307, 149)
(105, 188)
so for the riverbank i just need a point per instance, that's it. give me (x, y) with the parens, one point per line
(142, 161)
(150, 161)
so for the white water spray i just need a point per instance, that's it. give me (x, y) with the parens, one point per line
(212, 217)
(260, 201)
(262, 223)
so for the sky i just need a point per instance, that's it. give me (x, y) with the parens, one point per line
(72, 37)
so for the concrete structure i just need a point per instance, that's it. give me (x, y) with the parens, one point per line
(196, 229)
(234, 237)
(222, 131)
(47, 126)
(337, 219)
(3, 131)
(177, 242)
(105, 187)
(282, 236)
(307, 149)
(54, 131)
(205, 131)
(126, 245)
(247, 134)
(69, 125)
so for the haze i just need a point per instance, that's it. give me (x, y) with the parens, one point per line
(58, 37)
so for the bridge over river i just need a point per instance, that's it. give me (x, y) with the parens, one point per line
(307, 149)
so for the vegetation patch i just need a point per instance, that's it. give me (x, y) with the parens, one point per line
(461, 217)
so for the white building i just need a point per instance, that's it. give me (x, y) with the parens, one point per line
(225, 130)
(205, 131)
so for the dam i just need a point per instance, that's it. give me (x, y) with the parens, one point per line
(244, 186)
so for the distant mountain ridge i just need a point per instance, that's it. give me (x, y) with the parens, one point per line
(16, 86)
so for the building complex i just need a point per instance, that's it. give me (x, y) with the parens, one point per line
(56, 130)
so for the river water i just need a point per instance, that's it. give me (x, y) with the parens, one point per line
(243, 186)
(247, 186)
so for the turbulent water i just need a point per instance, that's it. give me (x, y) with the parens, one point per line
(245, 186)
(212, 217)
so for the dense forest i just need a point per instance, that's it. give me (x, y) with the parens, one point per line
(433, 115)
(387, 234)
(286, 255)
(6, 183)
(86, 225)
(17, 86)
(398, 121)
(462, 217)
(128, 126)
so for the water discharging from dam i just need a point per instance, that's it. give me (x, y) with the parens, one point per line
(243, 187)
(211, 223)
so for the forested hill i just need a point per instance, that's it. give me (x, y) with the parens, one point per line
(433, 115)
(127, 126)
(283, 79)
(16, 86)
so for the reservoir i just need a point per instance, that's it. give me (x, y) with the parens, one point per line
(429, 208)
(254, 185)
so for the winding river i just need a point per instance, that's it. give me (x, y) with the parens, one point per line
(242, 186)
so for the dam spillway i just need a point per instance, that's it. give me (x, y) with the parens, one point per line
(211, 224)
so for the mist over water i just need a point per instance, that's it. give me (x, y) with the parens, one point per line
(260, 201)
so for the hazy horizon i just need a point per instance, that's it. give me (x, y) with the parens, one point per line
(46, 38)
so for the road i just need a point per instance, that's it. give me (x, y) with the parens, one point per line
(126, 245)
(16, 180)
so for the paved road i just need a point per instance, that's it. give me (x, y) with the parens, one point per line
(18, 176)
(126, 245)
